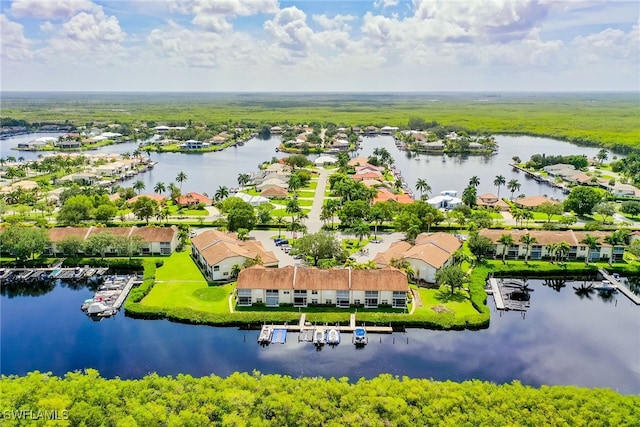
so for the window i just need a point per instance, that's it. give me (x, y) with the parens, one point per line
(371, 299)
(314, 292)
(342, 299)
(273, 298)
(314, 300)
(244, 296)
(300, 298)
(226, 273)
(399, 300)
(216, 268)
(328, 301)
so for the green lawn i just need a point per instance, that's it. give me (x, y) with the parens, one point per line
(179, 283)
(307, 194)
(459, 302)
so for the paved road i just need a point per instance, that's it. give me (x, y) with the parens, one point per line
(314, 224)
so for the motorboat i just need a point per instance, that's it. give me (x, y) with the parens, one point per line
(333, 337)
(97, 308)
(360, 336)
(265, 335)
(85, 305)
(606, 286)
(319, 338)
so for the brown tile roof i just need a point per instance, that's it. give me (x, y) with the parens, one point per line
(311, 278)
(358, 161)
(367, 175)
(59, 233)
(581, 235)
(385, 195)
(274, 191)
(115, 231)
(159, 198)
(532, 201)
(155, 234)
(193, 198)
(434, 249)
(216, 246)
(543, 237)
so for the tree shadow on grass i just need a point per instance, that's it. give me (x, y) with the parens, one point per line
(444, 295)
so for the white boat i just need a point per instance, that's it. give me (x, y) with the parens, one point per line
(333, 337)
(360, 336)
(97, 308)
(265, 335)
(606, 286)
(319, 337)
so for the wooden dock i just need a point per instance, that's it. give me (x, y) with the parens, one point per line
(304, 328)
(620, 286)
(125, 292)
(497, 295)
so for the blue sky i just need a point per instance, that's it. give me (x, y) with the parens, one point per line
(269, 45)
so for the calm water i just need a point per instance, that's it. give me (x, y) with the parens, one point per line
(563, 339)
(206, 172)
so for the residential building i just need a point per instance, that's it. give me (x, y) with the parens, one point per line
(158, 240)
(430, 253)
(340, 287)
(544, 239)
(625, 190)
(216, 253)
(531, 202)
(192, 198)
(489, 200)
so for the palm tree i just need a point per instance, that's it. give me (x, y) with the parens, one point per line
(159, 188)
(182, 177)
(602, 155)
(330, 208)
(506, 240)
(593, 244)
(513, 186)
(562, 251)
(474, 181)
(243, 179)
(139, 186)
(221, 193)
(527, 240)
(423, 187)
(552, 249)
(499, 182)
(361, 230)
(279, 222)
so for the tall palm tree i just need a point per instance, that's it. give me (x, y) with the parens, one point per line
(562, 251)
(593, 244)
(139, 186)
(602, 155)
(506, 240)
(527, 240)
(499, 182)
(243, 179)
(423, 187)
(513, 186)
(474, 181)
(279, 222)
(221, 193)
(159, 188)
(182, 177)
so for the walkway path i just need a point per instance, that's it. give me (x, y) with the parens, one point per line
(314, 223)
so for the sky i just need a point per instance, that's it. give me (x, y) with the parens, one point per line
(303, 46)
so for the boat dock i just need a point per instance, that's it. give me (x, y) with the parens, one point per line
(24, 274)
(539, 178)
(620, 286)
(109, 297)
(502, 295)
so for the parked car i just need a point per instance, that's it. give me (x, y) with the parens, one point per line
(280, 242)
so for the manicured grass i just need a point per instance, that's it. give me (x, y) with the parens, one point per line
(179, 283)
(311, 185)
(307, 194)
(459, 302)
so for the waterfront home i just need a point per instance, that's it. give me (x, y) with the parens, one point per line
(385, 195)
(192, 198)
(192, 144)
(339, 287)
(542, 248)
(430, 253)
(157, 240)
(625, 190)
(359, 161)
(444, 202)
(252, 200)
(274, 192)
(158, 198)
(216, 253)
(531, 201)
(388, 130)
(36, 144)
(271, 182)
(83, 178)
(489, 200)
(560, 169)
(325, 160)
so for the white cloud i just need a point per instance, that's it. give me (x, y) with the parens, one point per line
(51, 9)
(385, 3)
(14, 45)
(47, 27)
(609, 44)
(338, 22)
(290, 29)
(214, 15)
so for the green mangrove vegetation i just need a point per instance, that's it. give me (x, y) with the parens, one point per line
(606, 119)
(87, 399)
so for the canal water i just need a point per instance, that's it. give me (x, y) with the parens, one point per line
(590, 341)
(207, 171)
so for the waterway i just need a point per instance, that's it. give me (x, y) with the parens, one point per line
(591, 341)
(207, 171)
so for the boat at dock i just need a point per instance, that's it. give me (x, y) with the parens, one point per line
(265, 335)
(605, 286)
(319, 337)
(333, 337)
(360, 337)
